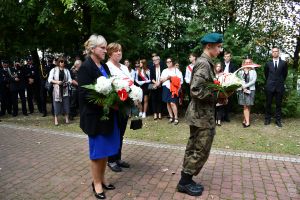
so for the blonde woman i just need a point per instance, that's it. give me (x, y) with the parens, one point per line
(103, 135)
(246, 93)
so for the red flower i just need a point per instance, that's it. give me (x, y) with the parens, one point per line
(217, 82)
(123, 94)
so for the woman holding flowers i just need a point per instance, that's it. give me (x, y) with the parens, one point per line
(103, 134)
(120, 71)
(246, 93)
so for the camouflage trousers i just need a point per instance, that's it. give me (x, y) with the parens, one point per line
(197, 149)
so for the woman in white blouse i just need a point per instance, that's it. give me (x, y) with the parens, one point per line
(142, 78)
(114, 51)
(167, 96)
(61, 79)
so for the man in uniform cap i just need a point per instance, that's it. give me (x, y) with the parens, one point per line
(32, 85)
(200, 115)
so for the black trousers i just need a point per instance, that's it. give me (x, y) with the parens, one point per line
(14, 99)
(156, 100)
(123, 124)
(278, 101)
(6, 105)
(33, 93)
(74, 104)
(228, 108)
(219, 112)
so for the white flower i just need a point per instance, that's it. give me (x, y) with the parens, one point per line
(136, 93)
(103, 85)
(120, 84)
(230, 79)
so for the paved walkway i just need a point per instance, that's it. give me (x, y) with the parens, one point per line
(42, 164)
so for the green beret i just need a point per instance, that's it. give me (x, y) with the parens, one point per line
(212, 38)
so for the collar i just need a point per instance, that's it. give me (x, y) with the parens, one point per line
(204, 55)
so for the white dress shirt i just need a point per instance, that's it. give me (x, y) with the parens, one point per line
(188, 73)
(121, 72)
(226, 70)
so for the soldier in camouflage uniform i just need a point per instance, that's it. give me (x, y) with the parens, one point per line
(200, 116)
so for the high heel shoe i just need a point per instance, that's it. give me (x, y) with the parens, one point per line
(98, 195)
(108, 187)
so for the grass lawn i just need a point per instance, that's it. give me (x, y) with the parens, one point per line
(232, 136)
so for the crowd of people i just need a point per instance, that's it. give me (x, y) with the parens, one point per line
(162, 85)
(28, 82)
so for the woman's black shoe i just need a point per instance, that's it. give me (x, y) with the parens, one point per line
(108, 187)
(98, 195)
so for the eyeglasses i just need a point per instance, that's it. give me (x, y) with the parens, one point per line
(61, 61)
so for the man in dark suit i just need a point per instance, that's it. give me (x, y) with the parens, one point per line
(276, 71)
(228, 67)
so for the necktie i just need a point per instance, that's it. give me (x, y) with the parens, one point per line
(275, 65)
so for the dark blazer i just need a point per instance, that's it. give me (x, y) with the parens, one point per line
(90, 113)
(17, 73)
(153, 72)
(275, 79)
(232, 67)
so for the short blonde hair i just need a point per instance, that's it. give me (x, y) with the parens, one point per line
(113, 47)
(77, 62)
(94, 41)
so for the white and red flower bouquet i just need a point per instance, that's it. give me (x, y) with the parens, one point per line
(114, 93)
(226, 84)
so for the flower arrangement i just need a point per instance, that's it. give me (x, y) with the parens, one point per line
(113, 93)
(226, 84)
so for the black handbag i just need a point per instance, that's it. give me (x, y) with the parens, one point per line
(136, 124)
(48, 85)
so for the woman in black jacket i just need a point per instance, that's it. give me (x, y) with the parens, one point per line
(103, 135)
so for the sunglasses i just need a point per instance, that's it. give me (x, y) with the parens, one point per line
(61, 61)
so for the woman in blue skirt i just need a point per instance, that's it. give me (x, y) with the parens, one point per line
(103, 135)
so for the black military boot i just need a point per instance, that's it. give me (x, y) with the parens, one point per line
(188, 186)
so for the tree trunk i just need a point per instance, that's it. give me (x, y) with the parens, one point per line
(296, 62)
(250, 14)
(36, 59)
(87, 20)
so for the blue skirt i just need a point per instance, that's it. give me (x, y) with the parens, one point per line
(103, 146)
(167, 96)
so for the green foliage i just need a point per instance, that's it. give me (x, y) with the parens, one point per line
(291, 101)
(171, 28)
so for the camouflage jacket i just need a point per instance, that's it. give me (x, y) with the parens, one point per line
(201, 110)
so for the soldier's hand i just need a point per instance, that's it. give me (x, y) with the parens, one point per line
(17, 79)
